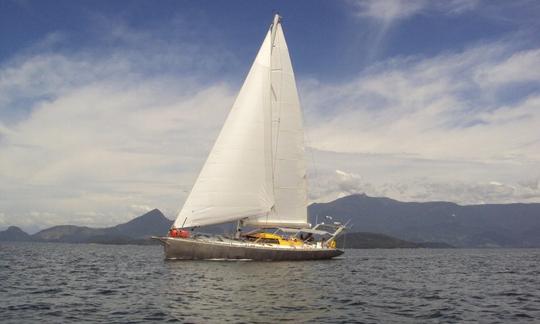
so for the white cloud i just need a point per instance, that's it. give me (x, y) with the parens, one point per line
(457, 6)
(411, 179)
(520, 67)
(141, 208)
(347, 184)
(423, 129)
(389, 11)
(108, 147)
(91, 137)
(432, 108)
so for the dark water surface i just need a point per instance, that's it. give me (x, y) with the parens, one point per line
(45, 282)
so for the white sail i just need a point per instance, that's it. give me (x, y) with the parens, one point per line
(256, 169)
(289, 168)
(235, 181)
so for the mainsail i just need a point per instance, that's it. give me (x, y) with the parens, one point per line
(256, 170)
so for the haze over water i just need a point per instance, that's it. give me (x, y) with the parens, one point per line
(54, 283)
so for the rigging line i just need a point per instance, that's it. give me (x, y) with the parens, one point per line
(269, 112)
(344, 242)
(273, 47)
(274, 155)
(278, 127)
(271, 128)
(280, 103)
(316, 179)
(179, 209)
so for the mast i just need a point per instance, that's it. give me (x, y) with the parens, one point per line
(277, 20)
(273, 30)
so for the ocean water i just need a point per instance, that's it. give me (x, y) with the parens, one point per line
(54, 283)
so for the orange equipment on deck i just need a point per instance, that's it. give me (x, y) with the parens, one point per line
(178, 233)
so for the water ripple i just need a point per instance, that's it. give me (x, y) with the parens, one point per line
(54, 283)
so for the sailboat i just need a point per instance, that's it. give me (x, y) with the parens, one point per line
(255, 175)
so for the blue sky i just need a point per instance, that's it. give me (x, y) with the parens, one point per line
(108, 108)
(335, 36)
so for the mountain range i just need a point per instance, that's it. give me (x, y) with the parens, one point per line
(136, 231)
(376, 223)
(489, 225)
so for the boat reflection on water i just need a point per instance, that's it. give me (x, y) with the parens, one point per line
(254, 292)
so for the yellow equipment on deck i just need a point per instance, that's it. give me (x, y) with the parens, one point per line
(270, 238)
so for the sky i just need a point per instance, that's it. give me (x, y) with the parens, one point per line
(108, 109)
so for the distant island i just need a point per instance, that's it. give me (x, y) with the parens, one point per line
(377, 223)
(136, 231)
